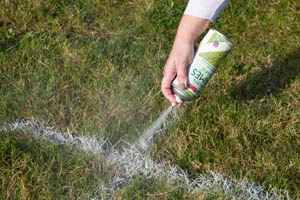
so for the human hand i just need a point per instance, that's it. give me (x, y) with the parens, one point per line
(180, 57)
(190, 28)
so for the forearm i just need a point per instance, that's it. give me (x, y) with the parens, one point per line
(190, 28)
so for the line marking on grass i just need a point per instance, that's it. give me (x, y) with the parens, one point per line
(134, 161)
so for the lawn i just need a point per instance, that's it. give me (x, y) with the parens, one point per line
(94, 67)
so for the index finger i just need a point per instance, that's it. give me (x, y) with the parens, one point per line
(166, 87)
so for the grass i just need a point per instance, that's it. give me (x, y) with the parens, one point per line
(34, 170)
(95, 68)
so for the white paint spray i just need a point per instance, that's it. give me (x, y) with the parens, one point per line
(132, 161)
(146, 139)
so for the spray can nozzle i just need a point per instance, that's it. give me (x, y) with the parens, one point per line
(178, 99)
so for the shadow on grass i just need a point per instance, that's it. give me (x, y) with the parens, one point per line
(269, 80)
(8, 44)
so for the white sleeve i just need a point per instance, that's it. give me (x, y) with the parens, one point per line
(207, 9)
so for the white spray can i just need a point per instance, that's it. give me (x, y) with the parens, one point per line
(212, 49)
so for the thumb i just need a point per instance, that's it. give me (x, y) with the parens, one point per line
(182, 76)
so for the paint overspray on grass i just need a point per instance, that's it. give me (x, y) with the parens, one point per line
(132, 161)
(146, 139)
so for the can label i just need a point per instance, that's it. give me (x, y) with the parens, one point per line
(212, 49)
(200, 72)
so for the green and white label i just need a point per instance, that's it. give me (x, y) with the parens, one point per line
(216, 48)
(212, 49)
(200, 73)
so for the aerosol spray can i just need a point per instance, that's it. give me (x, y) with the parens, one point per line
(212, 49)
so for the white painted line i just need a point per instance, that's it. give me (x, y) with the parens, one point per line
(132, 161)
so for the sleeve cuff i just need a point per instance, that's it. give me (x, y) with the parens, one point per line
(206, 9)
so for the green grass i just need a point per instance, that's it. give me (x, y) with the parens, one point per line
(95, 68)
(32, 169)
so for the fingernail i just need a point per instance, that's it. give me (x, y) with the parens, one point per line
(181, 86)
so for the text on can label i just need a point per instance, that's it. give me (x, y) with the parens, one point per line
(200, 76)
